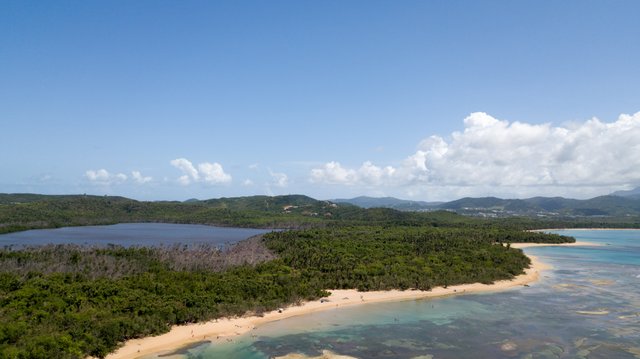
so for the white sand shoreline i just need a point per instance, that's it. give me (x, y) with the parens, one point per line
(226, 329)
(574, 244)
(584, 229)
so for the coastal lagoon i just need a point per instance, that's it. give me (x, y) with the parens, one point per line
(132, 234)
(587, 306)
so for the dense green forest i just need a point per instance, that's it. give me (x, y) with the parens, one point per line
(30, 211)
(73, 301)
(84, 309)
(378, 258)
(36, 211)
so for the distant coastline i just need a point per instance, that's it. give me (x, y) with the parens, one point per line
(584, 229)
(225, 329)
(577, 243)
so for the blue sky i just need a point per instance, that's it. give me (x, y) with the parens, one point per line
(429, 100)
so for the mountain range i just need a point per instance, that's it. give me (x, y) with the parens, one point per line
(618, 204)
(634, 193)
(388, 202)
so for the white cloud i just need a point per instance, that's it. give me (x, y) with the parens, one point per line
(103, 177)
(139, 178)
(247, 183)
(211, 173)
(99, 175)
(333, 173)
(190, 172)
(374, 175)
(279, 179)
(493, 152)
(492, 156)
(367, 174)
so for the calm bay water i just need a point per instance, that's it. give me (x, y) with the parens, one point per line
(131, 234)
(587, 306)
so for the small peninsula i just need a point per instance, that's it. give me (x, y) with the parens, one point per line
(71, 301)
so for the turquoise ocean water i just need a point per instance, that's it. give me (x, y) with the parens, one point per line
(587, 306)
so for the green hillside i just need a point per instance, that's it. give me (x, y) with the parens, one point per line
(20, 212)
(388, 202)
(614, 206)
(609, 206)
(31, 211)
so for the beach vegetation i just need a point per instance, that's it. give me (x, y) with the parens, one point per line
(71, 301)
(67, 301)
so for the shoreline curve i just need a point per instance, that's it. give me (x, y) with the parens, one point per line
(574, 244)
(585, 229)
(224, 329)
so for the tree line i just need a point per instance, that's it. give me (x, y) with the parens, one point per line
(23, 212)
(70, 302)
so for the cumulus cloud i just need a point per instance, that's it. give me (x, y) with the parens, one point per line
(279, 179)
(333, 173)
(527, 158)
(190, 172)
(139, 178)
(213, 173)
(210, 173)
(368, 174)
(103, 177)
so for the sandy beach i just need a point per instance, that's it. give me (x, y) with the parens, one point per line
(584, 229)
(574, 244)
(226, 329)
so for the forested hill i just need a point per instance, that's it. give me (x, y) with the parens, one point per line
(31, 211)
(274, 204)
(633, 193)
(617, 205)
(388, 202)
(25, 211)
(22, 198)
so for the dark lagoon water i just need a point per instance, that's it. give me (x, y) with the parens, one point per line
(587, 306)
(131, 234)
